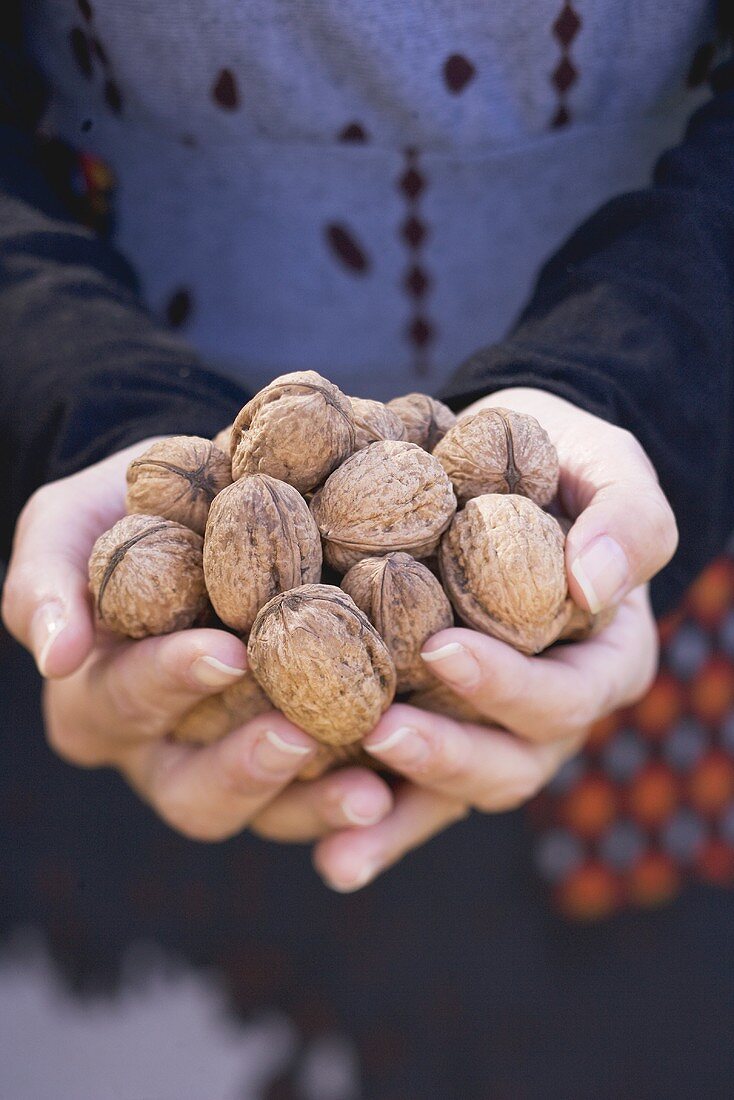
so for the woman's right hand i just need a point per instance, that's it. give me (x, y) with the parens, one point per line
(112, 702)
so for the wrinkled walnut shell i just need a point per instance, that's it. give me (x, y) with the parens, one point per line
(500, 451)
(426, 420)
(391, 496)
(223, 440)
(322, 663)
(146, 577)
(406, 605)
(582, 624)
(328, 757)
(177, 478)
(298, 429)
(373, 421)
(503, 569)
(217, 715)
(438, 698)
(260, 540)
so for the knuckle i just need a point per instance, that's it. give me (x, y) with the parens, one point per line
(133, 708)
(73, 744)
(515, 791)
(238, 779)
(446, 759)
(189, 821)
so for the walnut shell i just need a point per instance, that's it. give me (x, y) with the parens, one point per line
(298, 429)
(146, 577)
(406, 605)
(223, 440)
(582, 624)
(322, 663)
(217, 715)
(503, 568)
(499, 451)
(177, 478)
(373, 421)
(260, 540)
(391, 496)
(328, 757)
(426, 420)
(438, 698)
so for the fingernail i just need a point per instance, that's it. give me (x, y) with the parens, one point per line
(273, 753)
(601, 570)
(454, 663)
(350, 883)
(210, 672)
(360, 810)
(404, 746)
(47, 623)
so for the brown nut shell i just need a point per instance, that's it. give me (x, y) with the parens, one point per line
(438, 698)
(223, 440)
(373, 421)
(177, 478)
(406, 605)
(328, 757)
(217, 715)
(426, 420)
(298, 429)
(503, 569)
(322, 663)
(260, 540)
(146, 577)
(582, 624)
(391, 496)
(499, 451)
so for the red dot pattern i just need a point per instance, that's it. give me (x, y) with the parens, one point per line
(565, 74)
(649, 804)
(420, 330)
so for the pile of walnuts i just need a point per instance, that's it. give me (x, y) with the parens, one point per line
(236, 532)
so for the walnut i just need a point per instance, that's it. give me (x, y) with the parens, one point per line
(390, 496)
(426, 420)
(499, 451)
(146, 577)
(582, 624)
(438, 698)
(177, 478)
(373, 421)
(406, 605)
(217, 715)
(223, 439)
(298, 429)
(328, 757)
(503, 568)
(322, 663)
(260, 540)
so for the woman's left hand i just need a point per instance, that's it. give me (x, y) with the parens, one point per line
(538, 709)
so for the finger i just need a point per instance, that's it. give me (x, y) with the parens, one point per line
(212, 793)
(45, 603)
(349, 860)
(340, 800)
(138, 690)
(486, 768)
(561, 692)
(626, 531)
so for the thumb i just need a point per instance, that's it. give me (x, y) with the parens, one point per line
(45, 603)
(624, 536)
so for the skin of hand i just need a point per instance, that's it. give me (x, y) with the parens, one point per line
(110, 701)
(538, 709)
